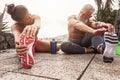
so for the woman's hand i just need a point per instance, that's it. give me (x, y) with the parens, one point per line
(21, 49)
(30, 30)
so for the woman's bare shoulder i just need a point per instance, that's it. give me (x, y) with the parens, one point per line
(15, 26)
(36, 16)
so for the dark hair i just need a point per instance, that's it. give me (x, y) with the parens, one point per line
(17, 12)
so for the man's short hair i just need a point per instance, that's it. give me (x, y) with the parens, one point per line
(88, 7)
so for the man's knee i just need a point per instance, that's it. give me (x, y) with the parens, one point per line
(96, 41)
(65, 46)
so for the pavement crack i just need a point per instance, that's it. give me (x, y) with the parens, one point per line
(30, 75)
(9, 58)
(84, 70)
(38, 76)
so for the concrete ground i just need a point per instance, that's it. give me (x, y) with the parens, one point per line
(59, 67)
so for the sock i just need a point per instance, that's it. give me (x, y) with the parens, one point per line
(110, 44)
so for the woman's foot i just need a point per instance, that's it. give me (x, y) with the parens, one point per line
(27, 59)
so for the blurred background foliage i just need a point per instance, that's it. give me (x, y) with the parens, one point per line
(3, 25)
(105, 12)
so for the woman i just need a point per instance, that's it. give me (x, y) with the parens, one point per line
(25, 31)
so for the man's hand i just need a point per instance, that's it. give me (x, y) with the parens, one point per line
(21, 49)
(110, 28)
(99, 32)
(30, 30)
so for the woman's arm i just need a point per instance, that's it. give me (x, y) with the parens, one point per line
(37, 21)
(20, 49)
(16, 32)
(32, 30)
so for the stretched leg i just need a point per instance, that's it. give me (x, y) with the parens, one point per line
(27, 59)
(43, 46)
(110, 42)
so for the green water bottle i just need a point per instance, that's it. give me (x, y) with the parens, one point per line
(117, 49)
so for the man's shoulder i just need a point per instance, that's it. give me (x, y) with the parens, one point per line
(72, 17)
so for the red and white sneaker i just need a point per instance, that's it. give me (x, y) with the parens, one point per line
(27, 59)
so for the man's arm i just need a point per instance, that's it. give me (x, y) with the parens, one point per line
(93, 24)
(97, 25)
(79, 25)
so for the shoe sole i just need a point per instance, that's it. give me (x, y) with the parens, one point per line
(27, 59)
(108, 59)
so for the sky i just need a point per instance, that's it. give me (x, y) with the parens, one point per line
(53, 13)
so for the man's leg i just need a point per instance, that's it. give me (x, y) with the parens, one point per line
(73, 48)
(91, 41)
(86, 41)
(97, 42)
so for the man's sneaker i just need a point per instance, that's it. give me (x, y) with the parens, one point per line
(110, 44)
(27, 59)
(108, 59)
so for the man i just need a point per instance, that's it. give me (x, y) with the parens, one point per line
(85, 35)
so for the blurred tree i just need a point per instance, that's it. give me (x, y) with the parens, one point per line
(105, 12)
(117, 22)
(3, 25)
(6, 39)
